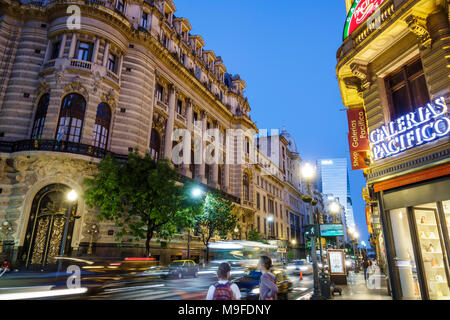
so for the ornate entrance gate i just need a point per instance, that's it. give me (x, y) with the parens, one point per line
(45, 229)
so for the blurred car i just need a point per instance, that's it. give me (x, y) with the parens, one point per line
(249, 284)
(182, 268)
(300, 265)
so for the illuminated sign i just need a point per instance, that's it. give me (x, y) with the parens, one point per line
(336, 261)
(331, 230)
(411, 130)
(358, 139)
(359, 12)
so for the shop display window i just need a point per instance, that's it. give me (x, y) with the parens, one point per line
(405, 262)
(431, 246)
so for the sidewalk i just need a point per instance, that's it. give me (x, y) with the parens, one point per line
(358, 289)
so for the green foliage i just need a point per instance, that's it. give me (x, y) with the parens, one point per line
(254, 235)
(217, 219)
(142, 198)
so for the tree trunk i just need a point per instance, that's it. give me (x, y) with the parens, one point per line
(147, 243)
(207, 253)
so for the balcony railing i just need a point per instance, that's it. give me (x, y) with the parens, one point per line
(52, 145)
(162, 105)
(181, 118)
(113, 76)
(81, 64)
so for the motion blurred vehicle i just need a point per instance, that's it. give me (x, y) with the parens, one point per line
(249, 284)
(300, 265)
(182, 268)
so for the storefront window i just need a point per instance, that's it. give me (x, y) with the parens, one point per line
(432, 251)
(405, 262)
(446, 205)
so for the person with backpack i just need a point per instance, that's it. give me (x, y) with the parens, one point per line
(224, 289)
(268, 288)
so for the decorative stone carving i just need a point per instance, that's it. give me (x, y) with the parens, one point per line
(159, 122)
(76, 86)
(97, 81)
(54, 166)
(43, 87)
(354, 83)
(2, 169)
(110, 99)
(418, 26)
(59, 76)
(362, 73)
(21, 164)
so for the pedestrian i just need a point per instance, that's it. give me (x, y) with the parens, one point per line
(6, 267)
(268, 288)
(224, 289)
(365, 266)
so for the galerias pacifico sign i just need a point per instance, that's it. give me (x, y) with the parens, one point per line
(411, 130)
(358, 138)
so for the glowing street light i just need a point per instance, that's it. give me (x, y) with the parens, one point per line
(72, 195)
(308, 171)
(270, 218)
(294, 242)
(334, 207)
(197, 192)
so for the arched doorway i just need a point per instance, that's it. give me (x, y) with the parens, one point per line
(45, 228)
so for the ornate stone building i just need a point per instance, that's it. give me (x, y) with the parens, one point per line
(79, 79)
(394, 64)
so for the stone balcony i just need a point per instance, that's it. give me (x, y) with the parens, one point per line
(80, 66)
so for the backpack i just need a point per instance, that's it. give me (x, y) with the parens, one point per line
(223, 291)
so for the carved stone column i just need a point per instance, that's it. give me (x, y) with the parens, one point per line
(187, 157)
(215, 165)
(170, 123)
(202, 169)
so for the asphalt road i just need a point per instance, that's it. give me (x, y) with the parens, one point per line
(184, 289)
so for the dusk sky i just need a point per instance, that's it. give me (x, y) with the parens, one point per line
(286, 53)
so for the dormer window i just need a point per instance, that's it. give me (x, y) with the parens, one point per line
(121, 5)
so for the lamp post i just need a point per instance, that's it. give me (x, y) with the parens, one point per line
(92, 232)
(308, 173)
(335, 208)
(6, 227)
(196, 193)
(270, 221)
(71, 197)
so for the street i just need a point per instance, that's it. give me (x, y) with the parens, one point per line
(188, 288)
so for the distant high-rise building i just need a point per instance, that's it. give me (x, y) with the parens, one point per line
(332, 179)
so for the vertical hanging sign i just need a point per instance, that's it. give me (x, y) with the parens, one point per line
(358, 138)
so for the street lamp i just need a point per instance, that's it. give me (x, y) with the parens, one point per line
(6, 227)
(72, 196)
(197, 192)
(308, 172)
(92, 232)
(335, 209)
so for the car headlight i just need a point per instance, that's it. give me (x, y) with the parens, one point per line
(255, 291)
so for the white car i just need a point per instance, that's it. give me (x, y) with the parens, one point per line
(300, 265)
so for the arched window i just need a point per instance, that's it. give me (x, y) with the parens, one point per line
(71, 118)
(155, 145)
(39, 118)
(246, 188)
(102, 124)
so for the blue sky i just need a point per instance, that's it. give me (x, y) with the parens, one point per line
(286, 53)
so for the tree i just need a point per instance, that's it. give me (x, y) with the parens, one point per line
(142, 197)
(254, 235)
(217, 219)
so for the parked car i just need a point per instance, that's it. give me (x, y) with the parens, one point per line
(182, 268)
(249, 284)
(300, 265)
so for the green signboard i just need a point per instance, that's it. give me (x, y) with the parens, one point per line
(331, 230)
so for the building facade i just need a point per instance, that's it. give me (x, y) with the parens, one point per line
(394, 64)
(80, 79)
